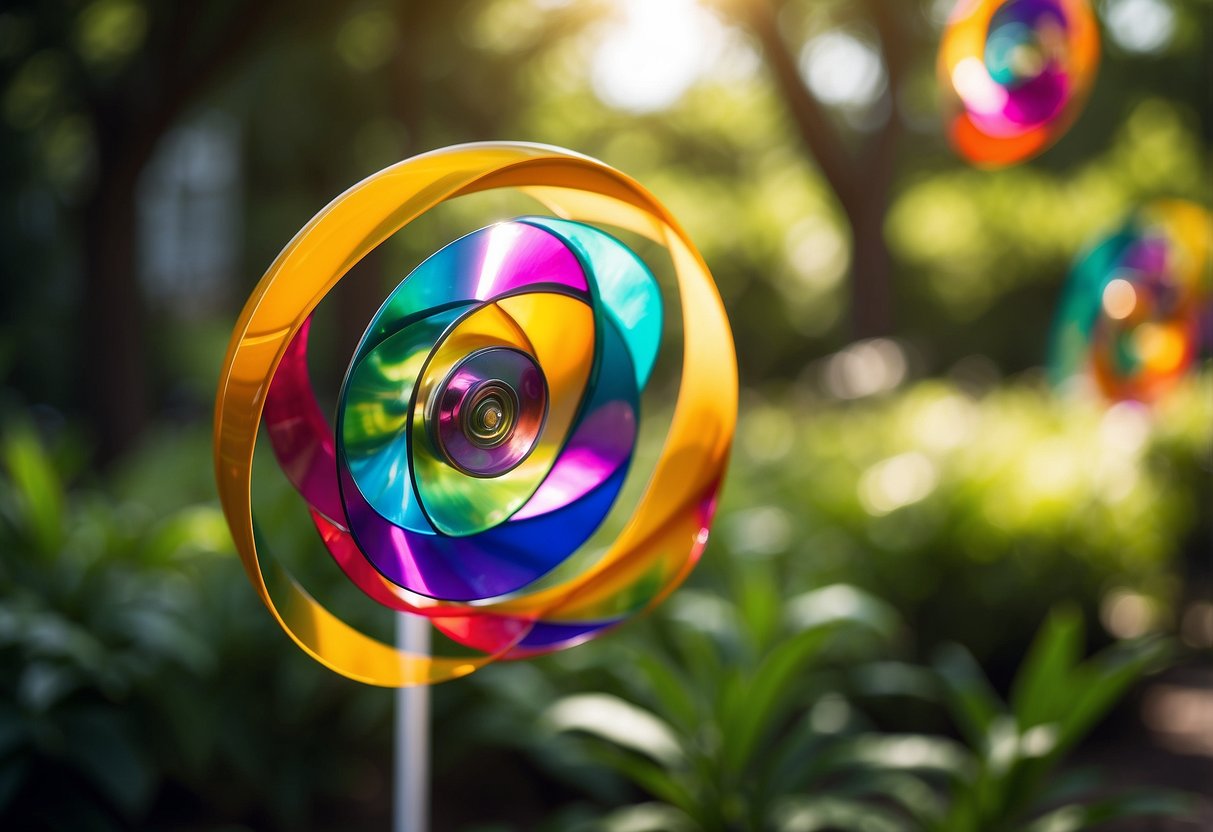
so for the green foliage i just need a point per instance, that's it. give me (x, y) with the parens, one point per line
(1009, 777)
(1005, 502)
(732, 708)
(770, 741)
(976, 237)
(84, 621)
(135, 664)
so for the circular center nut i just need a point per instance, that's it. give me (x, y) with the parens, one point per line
(490, 416)
(486, 416)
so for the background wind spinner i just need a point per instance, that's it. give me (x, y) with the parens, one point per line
(1017, 72)
(1137, 306)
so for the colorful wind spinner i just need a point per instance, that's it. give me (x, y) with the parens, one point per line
(488, 417)
(1018, 73)
(1137, 306)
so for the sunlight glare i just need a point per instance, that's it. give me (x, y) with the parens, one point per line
(653, 52)
(1140, 25)
(843, 70)
(897, 482)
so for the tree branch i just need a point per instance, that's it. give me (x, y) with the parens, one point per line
(892, 28)
(861, 177)
(813, 122)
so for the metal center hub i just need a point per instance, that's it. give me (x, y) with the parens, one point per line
(486, 416)
(490, 414)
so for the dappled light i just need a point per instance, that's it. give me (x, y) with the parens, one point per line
(843, 69)
(865, 368)
(1140, 25)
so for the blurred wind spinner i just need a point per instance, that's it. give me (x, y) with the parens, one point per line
(1137, 309)
(488, 418)
(1016, 74)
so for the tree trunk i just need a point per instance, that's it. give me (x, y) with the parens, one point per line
(861, 180)
(128, 124)
(111, 329)
(871, 270)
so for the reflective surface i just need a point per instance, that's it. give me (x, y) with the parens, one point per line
(1017, 73)
(1137, 306)
(487, 421)
(487, 415)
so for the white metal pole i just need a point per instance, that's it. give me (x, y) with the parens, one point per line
(411, 779)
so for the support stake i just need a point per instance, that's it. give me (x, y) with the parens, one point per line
(411, 779)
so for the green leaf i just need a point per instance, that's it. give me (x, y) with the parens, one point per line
(43, 684)
(907, 752)
(1066, 786)
(963, 814)
(654, 779)
(812, 814)
(1146, 803)
(1042, 691)
(895, 679)
(1100, 683)
(792, 761)
(39, 490)
(666, 688)
(760, 703)
(616, 721)
(197, 529)
(646, 817)
(838, 603)
(698, 639)
(760, 607)
(970, 699)
(923, 804)
(752, 707)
